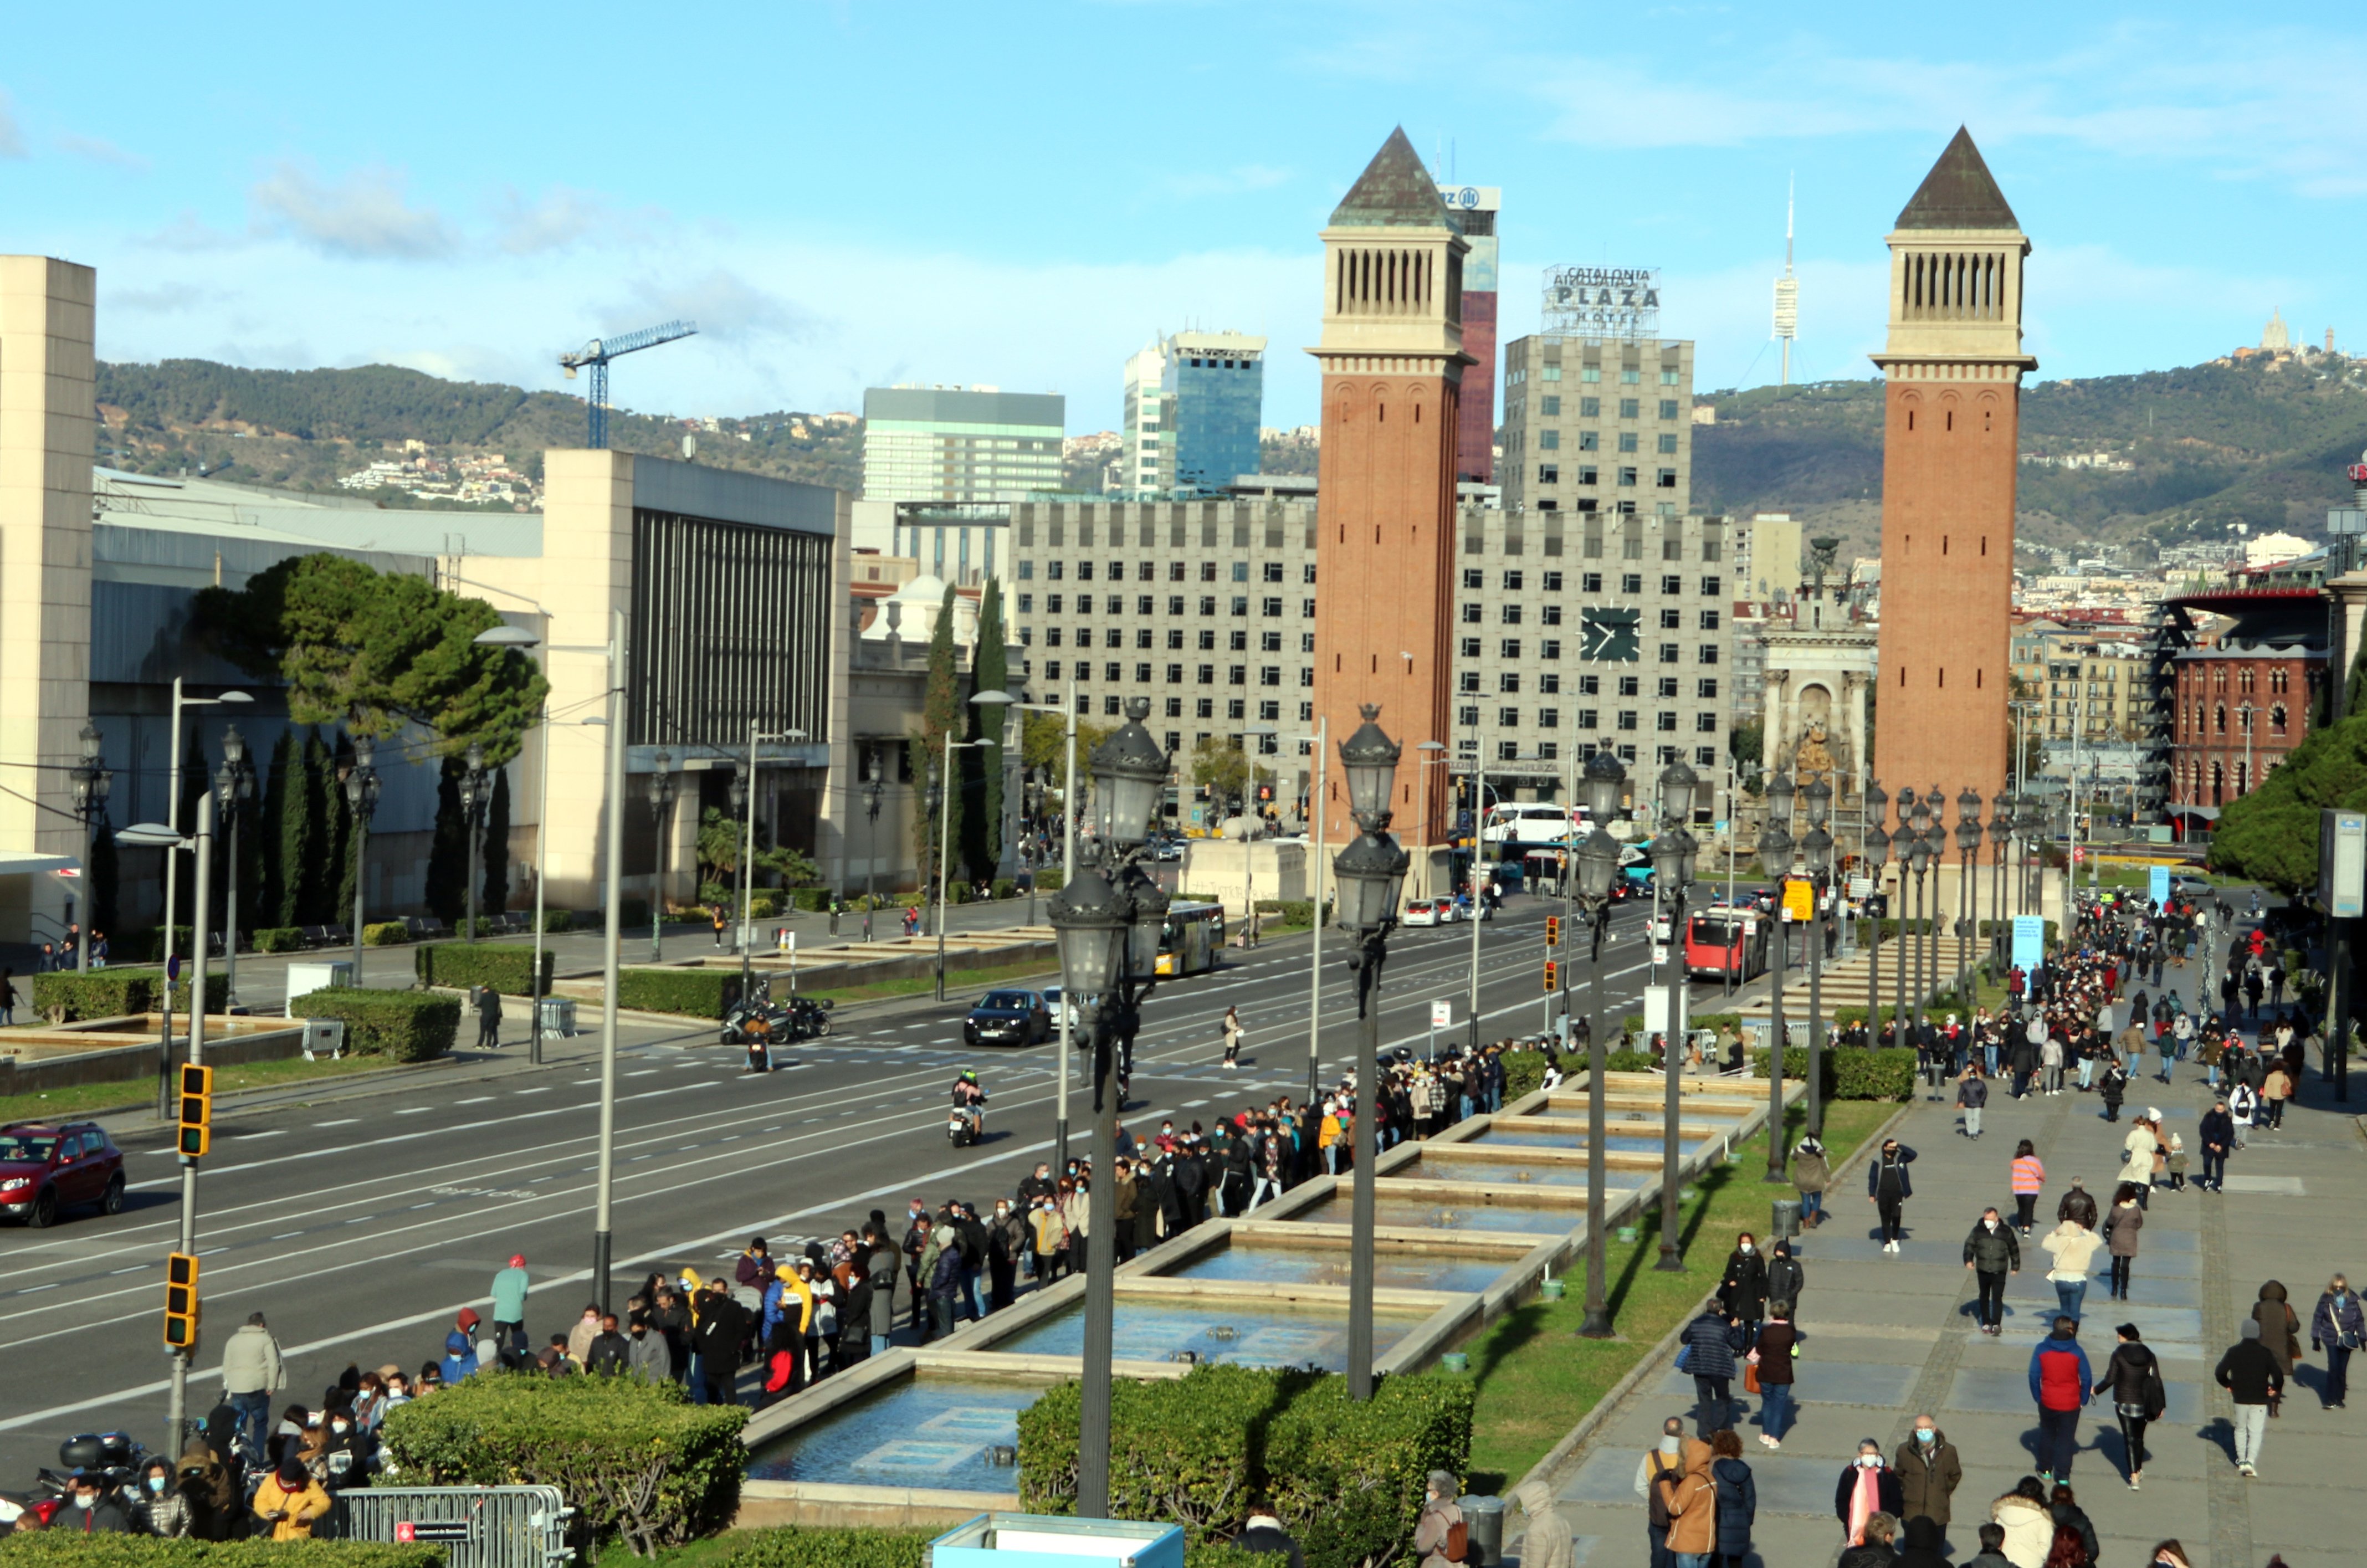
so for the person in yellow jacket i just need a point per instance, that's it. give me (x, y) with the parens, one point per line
(290, 1500)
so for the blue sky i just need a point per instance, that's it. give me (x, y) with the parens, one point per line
(850, 195)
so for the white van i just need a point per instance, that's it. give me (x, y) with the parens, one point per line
(1532, 822)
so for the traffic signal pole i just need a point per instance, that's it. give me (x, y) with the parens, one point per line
(179, 1406)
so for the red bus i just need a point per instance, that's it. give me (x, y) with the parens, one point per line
(1721, 942)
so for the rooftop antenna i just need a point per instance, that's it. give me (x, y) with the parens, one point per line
(1787, 294)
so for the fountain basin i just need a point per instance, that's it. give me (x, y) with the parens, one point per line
(1243, 1333)
(1397, 1267)
(922, 1431)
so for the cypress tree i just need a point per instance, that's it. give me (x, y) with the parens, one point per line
(494, 892)
(447, 854)
(197, 781)
(105, 881)
(991, 672)
(270, 882)
(324, 869)
(940, 715)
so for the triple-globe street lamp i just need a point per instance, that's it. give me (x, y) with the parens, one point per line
(1673, 848)
(1597, 865)
(234, 787)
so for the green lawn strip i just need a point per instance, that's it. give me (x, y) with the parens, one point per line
(1537, 1378)
(956, 980)
(84, 1098)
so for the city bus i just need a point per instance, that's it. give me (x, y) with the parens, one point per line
(1722, 942)
(1193, 937)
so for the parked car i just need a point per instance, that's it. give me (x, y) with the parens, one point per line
(45, 1169)
(1428, 911)
(1007, 1017)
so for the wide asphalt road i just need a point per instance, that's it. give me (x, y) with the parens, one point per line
(362, 1225)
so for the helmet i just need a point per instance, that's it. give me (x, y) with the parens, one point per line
(970, 1075)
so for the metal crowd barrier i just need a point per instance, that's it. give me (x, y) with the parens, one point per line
(480, 1527)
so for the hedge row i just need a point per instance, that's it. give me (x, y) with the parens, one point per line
(1345, 1478)
(1851, 1073)
(799, 1546)
(507, 967)
(68, 995)
(278, 938)
(1525, 1070)
(409, 1026)
(385, 934)
(57, 1548)
(694, 993)
(639, 1460)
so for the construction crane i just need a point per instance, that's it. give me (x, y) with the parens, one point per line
(595, 355)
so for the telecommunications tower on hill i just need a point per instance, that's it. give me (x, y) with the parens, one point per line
(1787, 297)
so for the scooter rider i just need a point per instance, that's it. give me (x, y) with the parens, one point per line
(969, 1098)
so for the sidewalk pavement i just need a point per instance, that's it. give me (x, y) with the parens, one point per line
(1888, 1337)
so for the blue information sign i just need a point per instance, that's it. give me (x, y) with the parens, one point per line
(2157, 885)
(2029, 941)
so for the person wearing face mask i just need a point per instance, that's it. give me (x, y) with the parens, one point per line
(1868, 1490)
(348, 1452)
(649, 1357)
(2337, 1328)
(1785, 1277)
(1991, 1253)
(2135, 1378)
(93, 1509)
(1742, 1290)
(1929, 1473)
(1006, 1244)
(159, 1508)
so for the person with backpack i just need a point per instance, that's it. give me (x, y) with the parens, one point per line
(1711, 1341)
(2336, 1326)
(1441, 1537)
(1657, 1474)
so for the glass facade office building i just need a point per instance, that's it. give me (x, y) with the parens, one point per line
(1193, 402)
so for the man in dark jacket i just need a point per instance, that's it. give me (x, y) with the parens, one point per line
(611, 1351)
(2059, 1382)
(721, 1328)
(2248, 1372)
(93, 1509)
(1887, 1188)
(1710, 1343)
(1929, 1471)
(881, 1266)
(975, 1247)
(1006, 1244)
(1991, 1253)
(1264, 1532)
(2079, 1205)
(2218, 1135)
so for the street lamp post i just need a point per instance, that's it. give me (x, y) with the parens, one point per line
(1673, 872)
(742, 791)
(1968, 864)
(2000, 833)
(1108, 922)
(1919, 861)
(92, 782)
(1067, 868)
(169, 839)
(475, 795)
(1817, 848)
(1873, 812)
(1369, 873)
(361, 782)
(1597, 863)
(1775, 848)
(233, 786)
(172, 820)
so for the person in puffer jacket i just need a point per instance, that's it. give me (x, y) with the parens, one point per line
(2060, 1383)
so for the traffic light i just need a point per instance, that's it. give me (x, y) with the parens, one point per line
(197, 1109)
(1553, 930)
(1552, 976)
(180, 1302)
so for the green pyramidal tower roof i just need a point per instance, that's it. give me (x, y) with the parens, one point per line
(1959, 193)
(1394, 192)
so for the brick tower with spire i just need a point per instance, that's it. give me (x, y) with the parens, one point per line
(1392, 360)
(1953, 367)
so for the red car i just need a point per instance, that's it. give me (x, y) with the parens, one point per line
(44, 1169)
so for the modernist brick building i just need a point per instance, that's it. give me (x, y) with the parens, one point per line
(2243, 703)
(1392, 358)
(1953, 364)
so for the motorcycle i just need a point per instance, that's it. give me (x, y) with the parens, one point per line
(759, 1022)
(966, 1124)
(810, 1016)
(113, 1457)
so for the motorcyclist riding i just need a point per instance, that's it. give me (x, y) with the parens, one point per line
(969, 1098)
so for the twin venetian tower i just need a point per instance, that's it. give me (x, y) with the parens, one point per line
(1393, 363)
(1952, 405)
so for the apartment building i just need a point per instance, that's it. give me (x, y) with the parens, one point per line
(1571, 628)
(1598, 425)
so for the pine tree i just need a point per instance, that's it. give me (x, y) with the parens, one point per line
(983, 847)
(495, 887)
(447, 853)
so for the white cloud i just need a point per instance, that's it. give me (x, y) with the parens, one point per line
(366, 215)
(560, 216)
(98, 150)
(724, 303)
(163, 298)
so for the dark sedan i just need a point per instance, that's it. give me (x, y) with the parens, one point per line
(1007, 1017)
